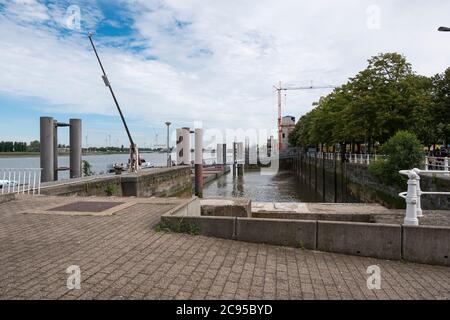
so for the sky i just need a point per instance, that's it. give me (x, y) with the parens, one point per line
(195, 62)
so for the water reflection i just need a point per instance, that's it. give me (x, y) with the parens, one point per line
(284, 187)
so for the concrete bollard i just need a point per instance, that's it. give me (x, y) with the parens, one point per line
(199, 162)
(75, 148)
(47, 128)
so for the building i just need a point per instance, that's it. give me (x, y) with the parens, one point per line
(287, 126)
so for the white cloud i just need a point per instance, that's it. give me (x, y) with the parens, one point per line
(219, 63)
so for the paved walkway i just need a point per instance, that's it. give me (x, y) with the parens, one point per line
(121, 257)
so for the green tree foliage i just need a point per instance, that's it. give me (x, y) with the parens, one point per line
(34, 146)
(385, 97)
(403, 151)
(9, 146)
(87, 169)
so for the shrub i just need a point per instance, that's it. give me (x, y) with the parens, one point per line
(87, 169)
(111, 189)
(403, 151)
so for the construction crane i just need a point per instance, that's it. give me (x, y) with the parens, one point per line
(279, 89)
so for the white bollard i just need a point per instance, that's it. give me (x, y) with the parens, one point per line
(411, 200)
(419, 195)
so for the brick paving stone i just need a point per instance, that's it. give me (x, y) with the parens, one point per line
(122, 257)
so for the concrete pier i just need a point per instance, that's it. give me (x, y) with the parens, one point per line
(199, 162)
(75, 148)
(47, 128)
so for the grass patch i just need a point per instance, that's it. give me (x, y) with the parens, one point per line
(180, 227)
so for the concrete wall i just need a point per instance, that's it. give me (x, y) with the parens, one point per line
(158, 182)
(235, 207)
(430, 245)
(349, 182)
(360, 239)
(219, 227)
(292, 233)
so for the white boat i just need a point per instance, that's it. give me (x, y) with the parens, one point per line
(8, 183)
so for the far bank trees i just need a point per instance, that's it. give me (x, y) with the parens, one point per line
(386, 97)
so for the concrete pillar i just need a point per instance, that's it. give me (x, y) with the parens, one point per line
(75, 148)
(240, 152)
(224, 155)
(247, 151)
(46, 148)
(219, 154)
(183, 146)
(240, 170)
(55, 150)
(234, 159)
(199, 162)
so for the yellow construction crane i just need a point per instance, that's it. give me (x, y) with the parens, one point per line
(279, 89)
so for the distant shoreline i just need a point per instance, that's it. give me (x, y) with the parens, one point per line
(37, 154)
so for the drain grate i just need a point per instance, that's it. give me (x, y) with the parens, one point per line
(87, 206)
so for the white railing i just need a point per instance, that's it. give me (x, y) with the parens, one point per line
(437, 164)
(414, 194)
(431, 163)
(358, 158)
(20, 181)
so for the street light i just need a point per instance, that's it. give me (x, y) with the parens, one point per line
(444, 29)
(169, 161)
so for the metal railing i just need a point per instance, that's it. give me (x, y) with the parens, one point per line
(20, 181)
(437, 164)
(357, 158)
(414, 194)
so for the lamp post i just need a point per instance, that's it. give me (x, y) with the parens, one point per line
(169, 161)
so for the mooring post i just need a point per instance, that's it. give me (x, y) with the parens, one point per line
(224, 155)
(75, 148)
(411, 200)
(199, 162)
(234, 159)
(55, 150)
(46, 148)
(183, 146)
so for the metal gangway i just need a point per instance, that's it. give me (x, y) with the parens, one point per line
(414, 194)
(20, 181)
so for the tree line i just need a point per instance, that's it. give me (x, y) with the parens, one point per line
(14, 146)
(386, 97)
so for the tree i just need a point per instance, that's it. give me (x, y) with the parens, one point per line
(441, 107)
(34, 146)
(385, 97)
(403, 152)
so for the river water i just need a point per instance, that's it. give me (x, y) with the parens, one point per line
(283, 187)
(98, 162)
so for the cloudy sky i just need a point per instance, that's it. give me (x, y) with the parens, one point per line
(190, 61)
